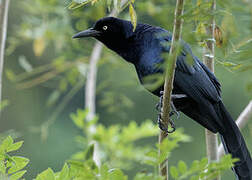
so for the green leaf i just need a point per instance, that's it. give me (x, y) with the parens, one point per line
(182, 167)
(174, 172)
(151, 158)
(64, 173)
(195, 165)
(17, 175)
(90, 152)
(117, 174)
(18, 164)
(203, 163)
(2, 167)
(78, 4)
(133, 16)
(15, 146)
(79, 117)
(104, 172)
(46, 175)
(7, 142)
(74, 164)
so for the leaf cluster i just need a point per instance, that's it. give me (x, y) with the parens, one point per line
(11, 167)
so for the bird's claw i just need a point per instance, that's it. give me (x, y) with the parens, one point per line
(171, 122)
(174, 112)
(162, 126)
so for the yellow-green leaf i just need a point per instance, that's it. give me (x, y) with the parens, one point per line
(10, 74)
(15, 146)
(174, 172)
(76, 5)
(18, 164)
(64, 173)
(201, 29)
(133, 16)
(17, 175)
(7, 142)
(182, 167)
(218, 36)
(46, 175)
(39, 46)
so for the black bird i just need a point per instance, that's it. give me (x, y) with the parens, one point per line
(202, 101)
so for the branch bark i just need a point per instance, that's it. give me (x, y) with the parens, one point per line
(241, 121)
(90, 88)
(4, 8)
(208, 58)
(169, 76)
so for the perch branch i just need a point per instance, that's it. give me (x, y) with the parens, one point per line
(4, 7)
(169, 76)
(208, 58)
(241, 121)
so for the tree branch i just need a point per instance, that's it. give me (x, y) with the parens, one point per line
(241, 122)
(208, 58)
(170, 70)
(90, 88)
(4, 7)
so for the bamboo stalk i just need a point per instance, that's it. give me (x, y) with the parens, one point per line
(4, 8)
(169, 76)
(208, 58)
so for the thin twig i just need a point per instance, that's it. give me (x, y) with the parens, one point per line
(90, 88)
(4, 8)
(47, 75)
(241, 121)
(169, 76)
(44, 128)
(208, 58)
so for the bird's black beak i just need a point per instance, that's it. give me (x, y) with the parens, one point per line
(87, 33)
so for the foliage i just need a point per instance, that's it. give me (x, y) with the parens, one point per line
(201, 169)
(11, 167)
(117, 144)
(46, 56)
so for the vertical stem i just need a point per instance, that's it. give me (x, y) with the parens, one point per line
(90, 88)
(208, 58)
(169, 76)
(4, 7)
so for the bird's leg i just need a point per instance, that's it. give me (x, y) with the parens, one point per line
(174, 111)
(160, 103)
(173, 108)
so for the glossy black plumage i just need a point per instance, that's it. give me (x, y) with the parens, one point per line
(144, 48)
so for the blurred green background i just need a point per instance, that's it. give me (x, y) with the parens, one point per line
(39, 35)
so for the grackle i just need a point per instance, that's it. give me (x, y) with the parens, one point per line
(197, 92)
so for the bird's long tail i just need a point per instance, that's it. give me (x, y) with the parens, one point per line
(234, 144)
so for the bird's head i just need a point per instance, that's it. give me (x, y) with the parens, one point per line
(109, 30)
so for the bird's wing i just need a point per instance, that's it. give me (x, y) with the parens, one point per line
(211, 76)
(193, 77)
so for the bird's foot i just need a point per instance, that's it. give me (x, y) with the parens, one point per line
(163, 127)
(173, 112)
(159, 105)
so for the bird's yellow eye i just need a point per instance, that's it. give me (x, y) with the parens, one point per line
(105, 28)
